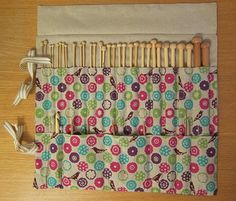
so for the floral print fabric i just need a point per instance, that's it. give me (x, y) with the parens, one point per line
(134, 129)
(127, 101)
(168, 164)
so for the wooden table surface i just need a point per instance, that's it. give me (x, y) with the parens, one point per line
(18, 20)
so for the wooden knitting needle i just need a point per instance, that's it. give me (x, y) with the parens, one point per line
(46, 46)
(153, 43)
(109, 54)
(42, 47)
(63, 54)
(81, 54)
(148, 47)
(119, 54)
(58, 54)
(57, 122)
(196, 50)
(91, 54)
(113, 55)
(172, 53)
(142, 46)
(180, 48)
(100, 52)
(94, 54)
(205, 53)
(103, 55)
(130, 45)
(84, 53)
(74, 53)
(136, 44)
(158, 46)
(166, 46)
(189, 48)
(66, 54)
(124, 54)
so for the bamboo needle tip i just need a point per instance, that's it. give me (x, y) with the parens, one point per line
(108, 45)
(148, 45)
(189, 46)
(205, 44)
(158, 45)
(181, 46)
(113, 45)
(173, 45)
(153, 41)
(124, 44)
(166, 45)
(136, 44)
(45, 42)
(100, 43)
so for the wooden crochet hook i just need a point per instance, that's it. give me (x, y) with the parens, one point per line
(142, 46)
(158, 46)
(136, 45)
(197, 50)
(189, 48)
(130, 45)
(74, 45)
(148, 47)
(166, 46)
(205, 53)
(180, 48)
(172, 54)
(124, 54)
(153, 43)
(109, 54)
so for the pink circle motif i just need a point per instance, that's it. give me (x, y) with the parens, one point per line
(162, 87)
(147, 183)
(210, 168)
(38, 163)
(164, 167)
(156, 141)
(163, 121)
(39, 128)
(142, 95)
(99, 78)
(173, 142)
(134, 104)
(99, 182)
(212, 129)
(99, 113)
(120, 87)
(92, 121)
(92, 87)
(82, 166)
(75, 141)
(91, 141)
(215, 120)
(188, 86)
(194, 168)
(142, 78)
(132, 167)
(178, 184)
(61, 104)
(53, 164)
(194, 151)
(142, 130)
(148, 149)
(204, 103)
(40, 147)
(77, 120)
(181, 129)
(47, 88)
(170, 113)
(67, 148)
(169, 78)
(115, 150)
(69, 79)
(115, 166)
(68, 128)
(149, 121)
(66, 181)
(70, 95)
(210, 94)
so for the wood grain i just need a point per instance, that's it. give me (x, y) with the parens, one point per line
(17, 35)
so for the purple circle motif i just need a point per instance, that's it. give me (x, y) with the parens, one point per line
(61, 87)
(77, 103)
(39, 96)
(139, 189)
(197, 130)
(84, 78)
(82, 182)
(211, 152)
(163, 184)
(74, 157)
(186, 176)
(149, 104)
(106, 71)
(182, 94)
(127, 130)
(204, 85)
(156, 78)
(156, 158)
(135, 87)
(107, 173)
(114, 95)
(53, 148)
(132, 151)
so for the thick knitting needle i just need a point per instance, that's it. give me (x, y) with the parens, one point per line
(100, 52)
(124, 54)
(81, 54)
(109, 54)
(119, 54)
(148, 47)
(158, 46)
(130, 45)
(94, 54)
(166, 46)
(91, 54)
(205, 53)
(113, 55)
(197, 50)
(180, 48)
(189, 48)
(142, 46)
(74, 54)
(172, 54)
(84, 53)
(153, 43)
(136, 44)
